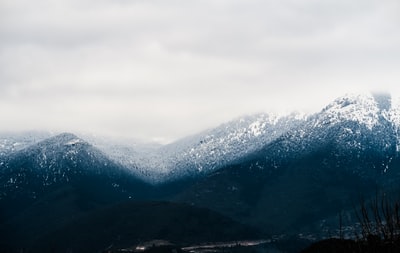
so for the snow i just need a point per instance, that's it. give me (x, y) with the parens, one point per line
(394, 112)
(212, 149)
(362, 109)
(74, 141)
(229, 142)
(256, 128)
(200, 153)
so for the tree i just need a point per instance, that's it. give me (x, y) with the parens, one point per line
(380, 219)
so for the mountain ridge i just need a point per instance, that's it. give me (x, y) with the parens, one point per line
(280, 175)
(230, 142)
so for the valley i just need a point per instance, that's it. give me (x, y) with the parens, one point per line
(283, 181)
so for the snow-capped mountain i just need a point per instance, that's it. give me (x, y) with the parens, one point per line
(55, 157)
(362, 109)
(201, 153)
(58, 161)
(366, 124)
(198, 154)
(284, 174)
(355, 123)
(358, 126)
(12, 142)
(228, 143)
(301, 180)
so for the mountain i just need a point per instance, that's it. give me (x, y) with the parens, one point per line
(301, 181)
(213, 149)
(228, 143)
(57, 179)
(202, 153)
(289, 175)
(373, 118)
(354, 126)
(190, 157)
(12, 142)
(59, 160)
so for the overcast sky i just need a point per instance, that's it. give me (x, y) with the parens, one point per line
(160, 69)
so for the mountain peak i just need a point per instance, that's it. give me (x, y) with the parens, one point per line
(63, 139)
(362, 108)
(351, 100)
(66, 136)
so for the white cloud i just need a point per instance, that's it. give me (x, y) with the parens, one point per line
(168, 68)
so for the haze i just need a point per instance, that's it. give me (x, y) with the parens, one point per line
(160, 70)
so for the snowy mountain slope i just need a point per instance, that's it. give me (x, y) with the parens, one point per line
(297, 163)
(357, 126)
(62, 161)
(227, 143)
(355, 123)
(201, 153)
(309, 174)
(12, 142)
(362, 109)
(363, 122)
(393, 115)
(284, 174)
(55, 157)
(140, 158)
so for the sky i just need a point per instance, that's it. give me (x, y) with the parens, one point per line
(159, 70)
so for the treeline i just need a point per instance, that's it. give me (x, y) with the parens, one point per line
(379, 230)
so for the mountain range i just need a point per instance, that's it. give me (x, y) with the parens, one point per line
(263, 175)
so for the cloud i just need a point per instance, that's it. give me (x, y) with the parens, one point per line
(130, 66)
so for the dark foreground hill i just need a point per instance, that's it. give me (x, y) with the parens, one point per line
(130, 223)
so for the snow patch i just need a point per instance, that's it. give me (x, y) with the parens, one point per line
(73, 142)
(359, 108)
